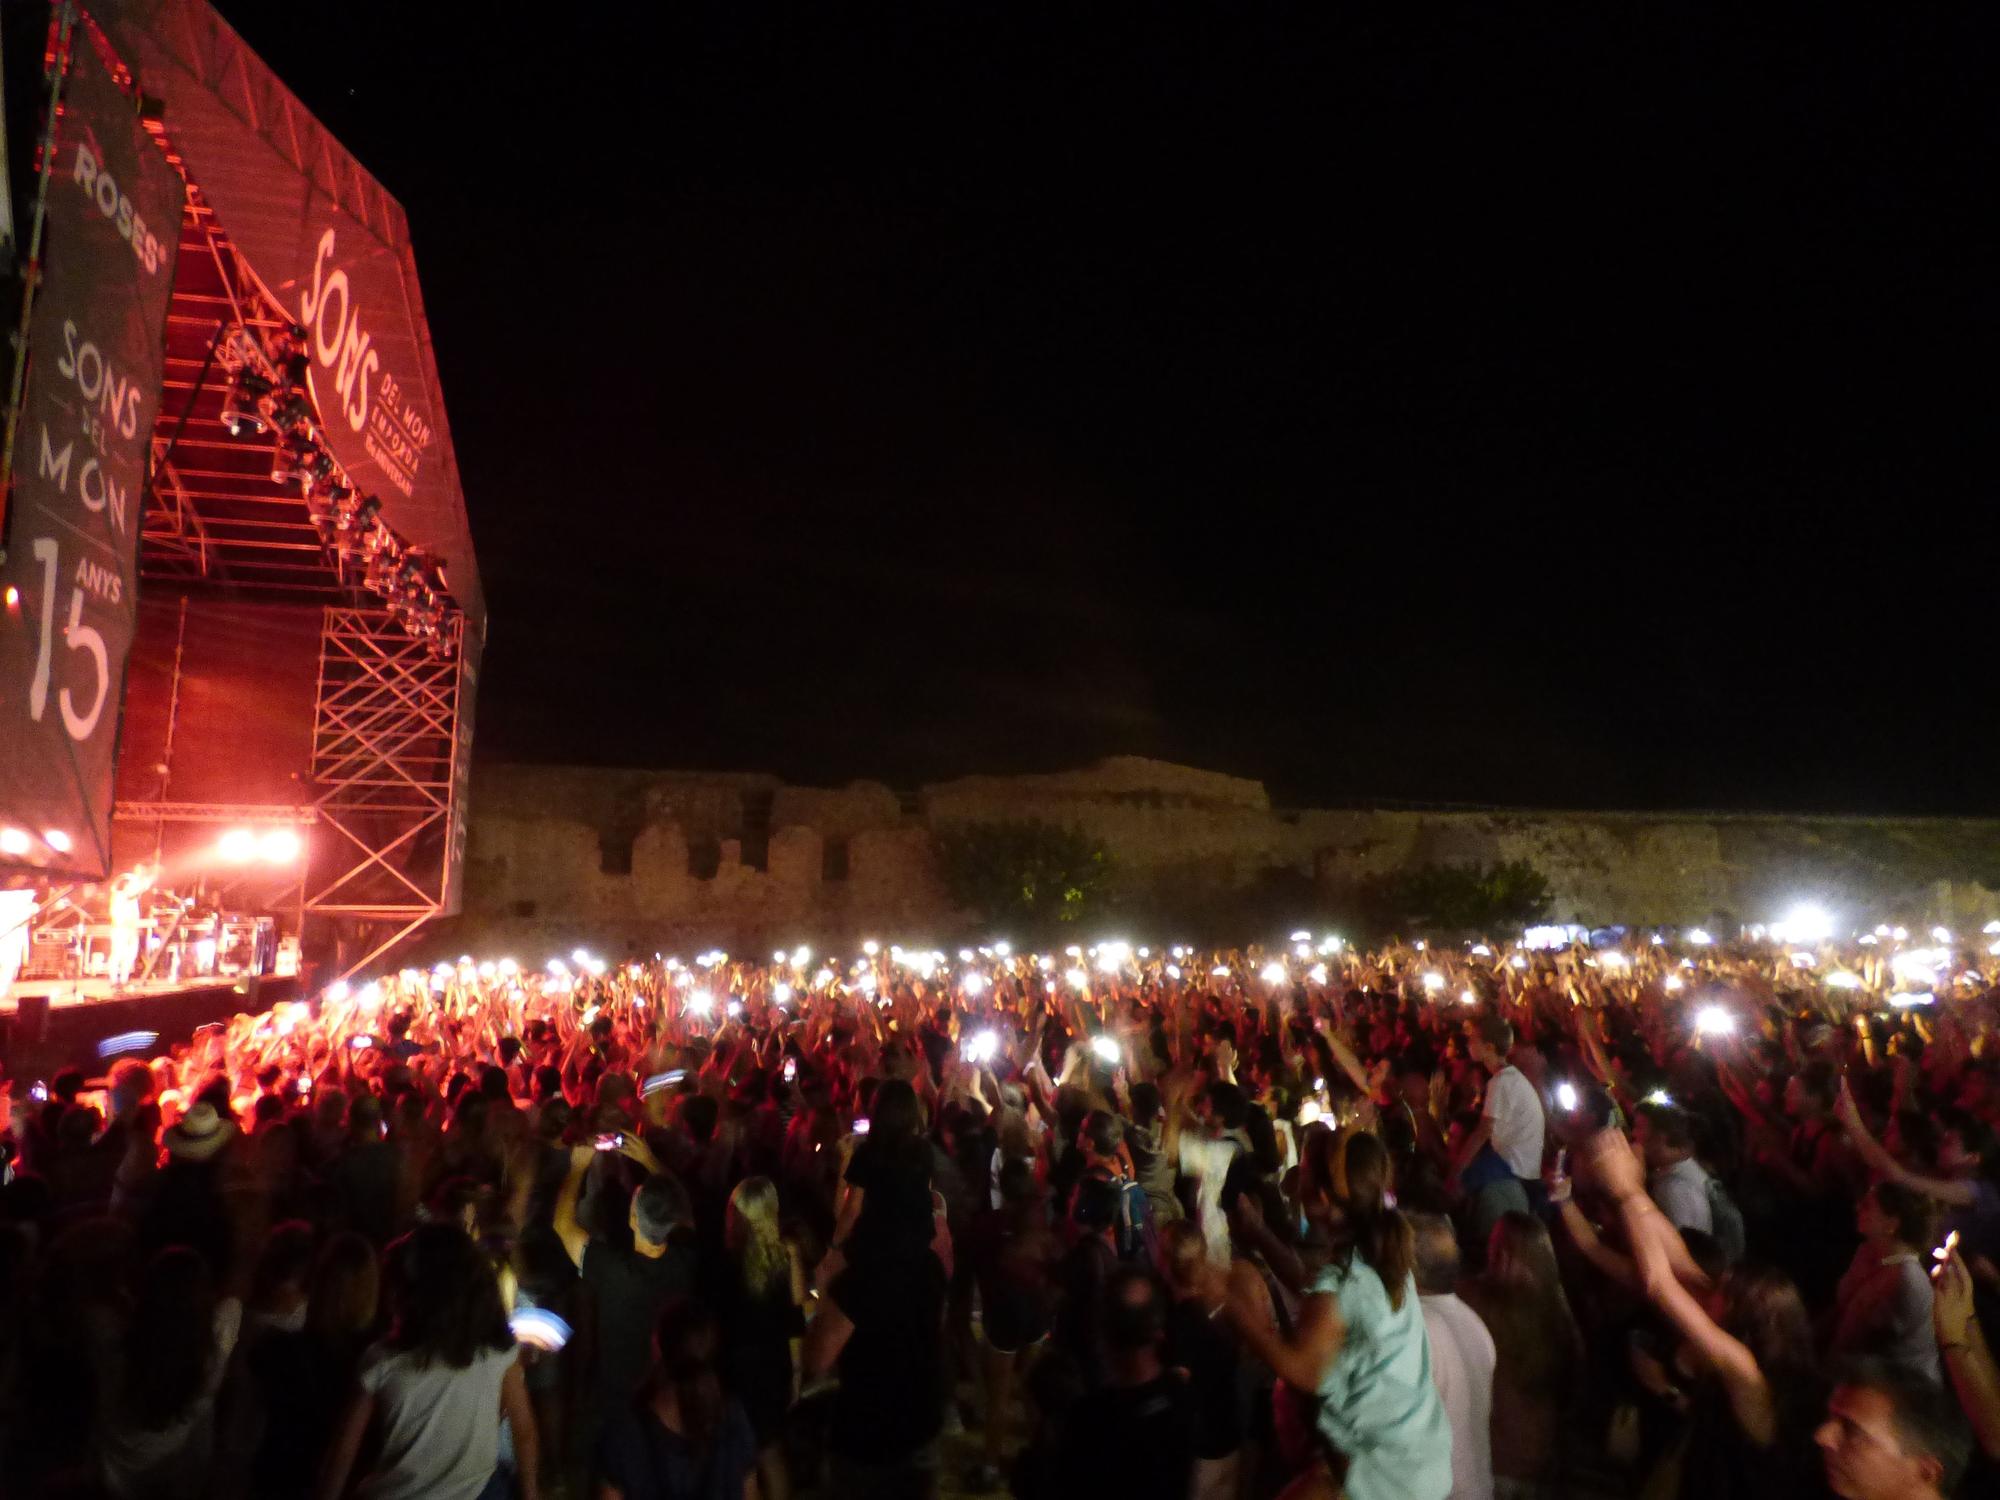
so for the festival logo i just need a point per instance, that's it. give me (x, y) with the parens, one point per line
(393, 427)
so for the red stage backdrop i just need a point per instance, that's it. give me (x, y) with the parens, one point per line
(95, 350)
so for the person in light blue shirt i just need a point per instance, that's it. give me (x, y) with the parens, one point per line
(1359, 1340)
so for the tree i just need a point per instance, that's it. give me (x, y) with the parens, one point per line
(1024, 873)
(1482, 899)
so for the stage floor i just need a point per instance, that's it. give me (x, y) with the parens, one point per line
(82, 1013)
(67, 992)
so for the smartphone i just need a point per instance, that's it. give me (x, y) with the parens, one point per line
(791, 1069)
(861, 1126)
(305, 1085)
(539, 1328)
(40, 1092)
(360, 1042)
(1943, 1254)
(610, 1141)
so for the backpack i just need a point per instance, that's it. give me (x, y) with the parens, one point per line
(1727, 1220)
(1132, 1215)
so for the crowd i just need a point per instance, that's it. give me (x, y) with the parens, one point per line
(1654, 1215)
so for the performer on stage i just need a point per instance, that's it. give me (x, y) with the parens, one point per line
(126, 922)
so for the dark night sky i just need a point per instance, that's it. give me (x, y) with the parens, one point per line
(1481, 403)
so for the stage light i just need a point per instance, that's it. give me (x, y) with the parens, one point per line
(293, 411)
(781, 993)
(1915, 997)
(13, 597)
(1843, 981)
(1275, 973)
(237, 847)
(280, 846)
(1078, 979)
(1105, 1048)
(239, 406)
(973, 984)
(1317, 974)
(337, 991)
(57, 840)
(13, 841)
(1699, 938)
(1433, 982)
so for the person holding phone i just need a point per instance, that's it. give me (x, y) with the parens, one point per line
(628, 1276)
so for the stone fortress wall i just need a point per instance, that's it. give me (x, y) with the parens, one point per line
(638, 861)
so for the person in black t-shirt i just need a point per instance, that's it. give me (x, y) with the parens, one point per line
(1136, 1435)
(626, 1286)
(888, 1197)
(881, 1319)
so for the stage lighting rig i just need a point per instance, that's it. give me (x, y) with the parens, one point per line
(242, 406)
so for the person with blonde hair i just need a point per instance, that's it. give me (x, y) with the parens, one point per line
(757, 1291)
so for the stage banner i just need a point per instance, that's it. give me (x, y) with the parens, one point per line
(96, 355)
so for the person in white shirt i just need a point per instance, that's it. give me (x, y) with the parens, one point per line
(1462, 1358)
(1203, 1148)
(1513, 1121)
(1674, 1179)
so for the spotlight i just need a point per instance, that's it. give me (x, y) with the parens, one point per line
(292, 412)
(13, 841)
(289, 460)
(239, 407)
(57, 840)
(237, 847)
(280, 846)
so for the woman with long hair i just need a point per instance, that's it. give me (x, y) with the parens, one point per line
(300, 1377)
(758, 1298)
(888, 1178)
(1359, 1341)
(685, 1438)
(1538, 1349)
(437, 1388)
(156, 1434)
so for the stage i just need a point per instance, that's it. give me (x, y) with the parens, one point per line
(81, 1013)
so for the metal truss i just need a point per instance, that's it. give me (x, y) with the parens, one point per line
(389, 762)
